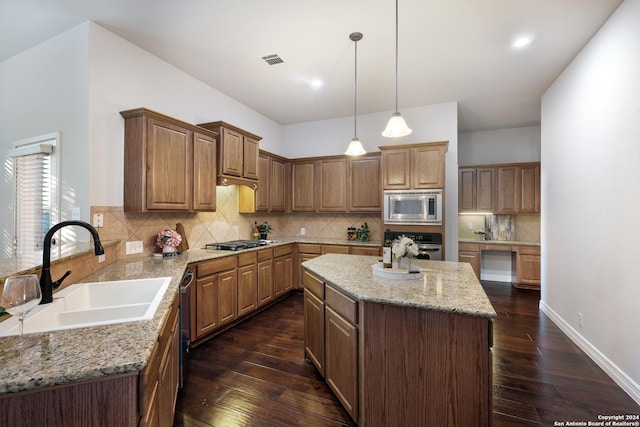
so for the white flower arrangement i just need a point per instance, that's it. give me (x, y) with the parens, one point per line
(168, 238)
(404, 247)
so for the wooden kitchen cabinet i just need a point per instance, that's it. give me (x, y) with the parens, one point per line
(476, 189)
(365, 250)
(470, 252)
(528, 267)
(159, 380)
(168, 164)
(265, 276)
(262, 194)
(282, 270)
(518, 188)
(271, 195)
(314, 332)
(247, 283)
(529, 188)
(507, 192)
(365, 184)
(332, 185)
(303, 179)
(237, 154)
(426, 166)
(216, 295)
(341, 348)
(278, 185)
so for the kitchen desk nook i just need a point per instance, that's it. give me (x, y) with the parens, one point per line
(401, 352)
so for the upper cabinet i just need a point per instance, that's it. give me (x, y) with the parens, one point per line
(415, 166)
(501, 189)
(169, 165)
(237, 154)
(303, 182)
(271, 195)
(365, 184)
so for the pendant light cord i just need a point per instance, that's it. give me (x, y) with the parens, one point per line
(396, 56)
(355, 91)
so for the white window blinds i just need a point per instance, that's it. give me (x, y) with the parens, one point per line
(35, 198)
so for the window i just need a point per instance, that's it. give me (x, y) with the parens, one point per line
(35, 199)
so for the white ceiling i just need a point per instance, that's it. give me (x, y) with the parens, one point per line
(450, 50)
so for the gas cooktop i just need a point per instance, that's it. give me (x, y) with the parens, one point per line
(235, 245)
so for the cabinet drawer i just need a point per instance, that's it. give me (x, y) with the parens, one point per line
(528, 250)
(341, 304)
(469, 247)
(498, 247)
(313, 284)
(335, 249)
(309, 248)
(265, 255)
(283, 250)
(215, 266)
(247, 258)
(365, 250)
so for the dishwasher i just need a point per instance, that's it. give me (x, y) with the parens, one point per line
(185, 322)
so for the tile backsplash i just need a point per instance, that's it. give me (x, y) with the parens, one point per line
(521, 227)
(225, 224)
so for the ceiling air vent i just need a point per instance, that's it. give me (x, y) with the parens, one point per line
(272, 59)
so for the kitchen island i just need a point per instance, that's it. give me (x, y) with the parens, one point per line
(401, 352)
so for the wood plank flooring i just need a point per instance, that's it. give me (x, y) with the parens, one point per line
(255, 374)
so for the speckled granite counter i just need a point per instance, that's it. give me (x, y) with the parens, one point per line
(445, 286)
(48, 359)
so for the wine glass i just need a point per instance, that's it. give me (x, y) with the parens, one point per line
(20, 295)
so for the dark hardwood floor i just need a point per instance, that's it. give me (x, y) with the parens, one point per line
(255, 374)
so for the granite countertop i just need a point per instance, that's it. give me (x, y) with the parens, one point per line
(444, 286)
(54, 358)
(499, 242)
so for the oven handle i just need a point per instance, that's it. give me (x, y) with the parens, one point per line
(187, 279)
(430, 249)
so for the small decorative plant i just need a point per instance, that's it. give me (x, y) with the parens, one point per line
(404, 247)
(479, 234)
(168, 238)
(264, 229)
(363, 233)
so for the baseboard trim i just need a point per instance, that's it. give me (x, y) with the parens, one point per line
(623, 380)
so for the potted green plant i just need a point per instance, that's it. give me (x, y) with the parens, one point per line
(264, 229)
(480, 234)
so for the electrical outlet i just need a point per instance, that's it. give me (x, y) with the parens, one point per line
(98, 220)
(302, 231)
(470, 226)
(580, 320)
(75, 214)
(134, 247)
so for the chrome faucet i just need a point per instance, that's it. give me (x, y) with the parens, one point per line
(46, 284)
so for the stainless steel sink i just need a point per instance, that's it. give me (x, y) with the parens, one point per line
(93, 304)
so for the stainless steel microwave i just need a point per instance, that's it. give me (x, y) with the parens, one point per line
(413, 207)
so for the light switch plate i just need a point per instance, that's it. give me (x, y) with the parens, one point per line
(134, 247)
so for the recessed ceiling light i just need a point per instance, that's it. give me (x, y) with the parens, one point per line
(522, 41)
(316, 83)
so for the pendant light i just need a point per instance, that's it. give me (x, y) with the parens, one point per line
(355, 147)
(397, 126)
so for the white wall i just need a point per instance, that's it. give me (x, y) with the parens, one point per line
(123, 77)
(511, 145)
(591, 198)
(429, 123)
(45, 89)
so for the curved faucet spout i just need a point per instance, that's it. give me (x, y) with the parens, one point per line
(46, 284)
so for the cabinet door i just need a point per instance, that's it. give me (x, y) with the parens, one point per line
(169, 378)
(227, 297)
(507, 195)
(264, 176)
(332, 185)
(302, 257)
(204, 172)
(467, 190)
(169, 160)
(314, 330)
(472, 258)
(206, 305)
(247, 289)
(250, 164)
(288, 272)
(529, 186)
(365, 185)
(304, 187)
(231, 153)
(427, 166)
(265, 282)
(395, 169)
(278, 276)
(341, 364)
(485, 190)
(278, 186)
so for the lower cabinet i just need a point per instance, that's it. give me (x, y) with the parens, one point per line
(470, 252)
(331, 339)
(247, 283)
(265, 276)
(528, 267)
(282, 270)
(216, 295)
(159, 380)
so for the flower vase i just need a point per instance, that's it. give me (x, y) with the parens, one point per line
(404, 263)
(168, 249)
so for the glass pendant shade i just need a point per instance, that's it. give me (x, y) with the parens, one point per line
(396, 127)
(355, 148)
